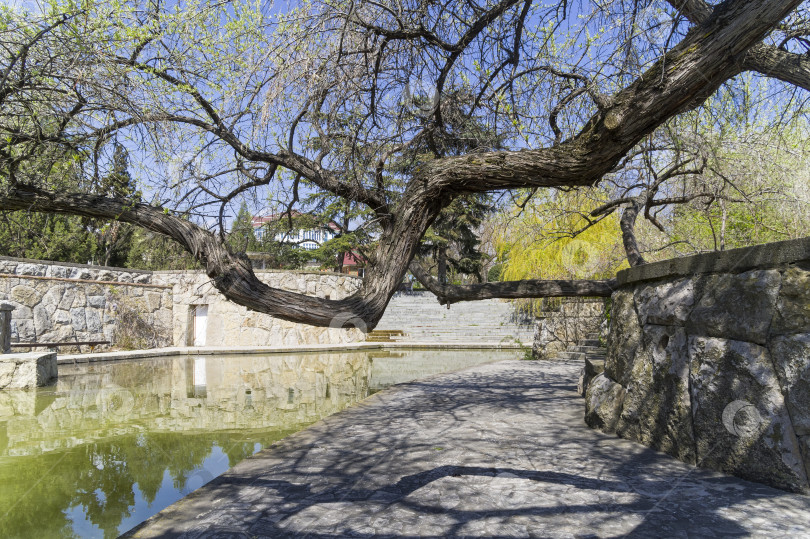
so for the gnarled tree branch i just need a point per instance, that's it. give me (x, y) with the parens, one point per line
(528, 288)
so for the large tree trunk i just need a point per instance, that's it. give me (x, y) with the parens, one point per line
(233, 274)
(711, 53)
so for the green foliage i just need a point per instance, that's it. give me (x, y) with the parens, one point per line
(242, 239)
(280, 255)
(50, 236)
(453, 238)
(495, 273)
(47, 237)
(757, 186)
(65, 238)
(453, 235)
(330, 253)
(553, 238)
(114, 238)
(151, 251)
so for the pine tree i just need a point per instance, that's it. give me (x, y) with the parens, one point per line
(242, 239)
(114, 238)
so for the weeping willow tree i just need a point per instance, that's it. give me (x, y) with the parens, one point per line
(553, 236)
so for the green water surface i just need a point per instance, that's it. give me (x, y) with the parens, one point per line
(113, 443)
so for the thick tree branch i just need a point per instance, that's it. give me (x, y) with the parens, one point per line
(764, 59)
(231, 274)
(696, 11)
(627, 223)
(686, 76)
(779, 64)
(529, 288)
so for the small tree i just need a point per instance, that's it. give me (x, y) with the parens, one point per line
(242, 238)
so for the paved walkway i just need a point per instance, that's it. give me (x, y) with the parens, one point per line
(500, 450)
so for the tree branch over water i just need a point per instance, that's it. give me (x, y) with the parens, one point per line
(319, 96)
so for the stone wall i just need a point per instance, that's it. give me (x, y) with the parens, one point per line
(709, 360)
(59, 302)
(70, 302)
(230, 324)
(557, 330)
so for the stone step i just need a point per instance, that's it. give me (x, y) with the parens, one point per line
(586, 349)
(421, 318)
(570, 356)
(524, 338)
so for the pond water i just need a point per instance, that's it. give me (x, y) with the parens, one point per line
(113, 443)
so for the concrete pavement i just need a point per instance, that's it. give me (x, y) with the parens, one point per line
(500, 450)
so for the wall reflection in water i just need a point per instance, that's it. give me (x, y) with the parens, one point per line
(113, 443)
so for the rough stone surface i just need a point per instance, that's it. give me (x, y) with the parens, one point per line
(27, 371)
(769, 255)
(593, 368)
(496, 451)
(50, 309)
(657, 408)
(574, 320)
(716, 366)
(793, 371)
(667, 304)
(792, 312)
(624, 337)
(5, 327)
(737, 306)
(230, 324)
(603, 403)
(740, 420)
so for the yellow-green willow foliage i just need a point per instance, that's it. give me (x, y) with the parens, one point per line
(551, 239)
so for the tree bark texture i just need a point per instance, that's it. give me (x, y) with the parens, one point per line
(528, 288)
(627, 224)
(714, 50)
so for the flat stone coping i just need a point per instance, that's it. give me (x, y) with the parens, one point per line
(499, 450)
(769, 255)
(70, 265)
(24, 357)
(232, 350)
